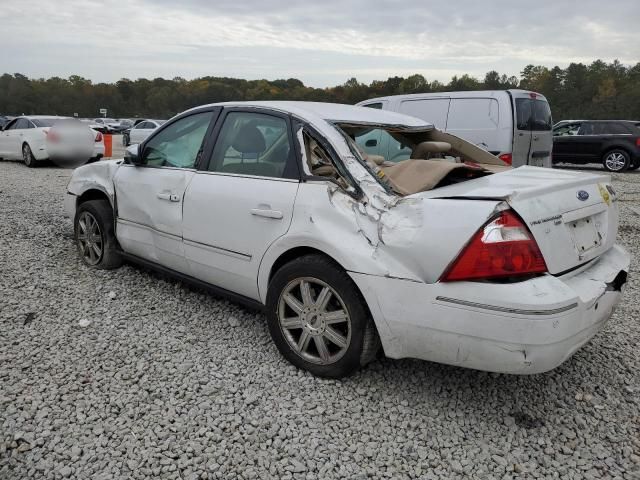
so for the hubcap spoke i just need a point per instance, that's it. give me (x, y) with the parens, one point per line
(293, 303)
(293, 322)
(335, 317)
(305, 291)
(323, 298)
(303, 341)
(323, 351)
(335, 337)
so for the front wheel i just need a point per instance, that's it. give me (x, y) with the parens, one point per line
(616, 160)
(318, 319)
(27, 156)
(95, 239)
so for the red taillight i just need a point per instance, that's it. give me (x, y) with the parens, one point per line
(638, 142)
(504, 247)
(98, 137)
(506, 158)
(52, 136)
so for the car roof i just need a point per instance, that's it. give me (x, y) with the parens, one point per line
(336, 113)
(37, 117)
(457, 94)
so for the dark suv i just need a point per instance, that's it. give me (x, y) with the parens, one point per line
(614, 143)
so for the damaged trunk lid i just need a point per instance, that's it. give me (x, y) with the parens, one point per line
(572, 215)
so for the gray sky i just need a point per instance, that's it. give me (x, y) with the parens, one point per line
(323, 43)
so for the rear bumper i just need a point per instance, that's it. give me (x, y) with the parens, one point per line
(524, 328)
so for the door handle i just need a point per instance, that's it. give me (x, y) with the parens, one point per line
(170, 197)
(259, 212)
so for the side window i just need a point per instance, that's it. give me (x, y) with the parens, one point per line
(144, 125)
(473, 114)
(432, 110)
(253, 144)
(523, 113)
(179, 144)
(586, 129)
(11, 125)
(541, 116)
(611, 128)
(377, 106)
(567, 130)
(22, 124)
(29, 124)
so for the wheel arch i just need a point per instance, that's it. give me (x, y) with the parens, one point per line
(93, 193)
(609, 148)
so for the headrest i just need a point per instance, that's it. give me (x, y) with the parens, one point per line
(422, 149)
(249, 140)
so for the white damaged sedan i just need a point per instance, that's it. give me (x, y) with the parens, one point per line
(356, 229)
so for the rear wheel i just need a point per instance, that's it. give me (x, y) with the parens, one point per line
(318, 319)
(95, 239)
(27, 156)
(616, 160)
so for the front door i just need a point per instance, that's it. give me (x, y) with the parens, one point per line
(243, 201)
(150, 196)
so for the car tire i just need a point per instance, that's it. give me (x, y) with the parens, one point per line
(616, 160)
(318, 319)
(94, 235)
(27, 156)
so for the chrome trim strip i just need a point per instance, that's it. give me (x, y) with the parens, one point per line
(223, 251)
(496, 308)
(240, 175)
(131, 223)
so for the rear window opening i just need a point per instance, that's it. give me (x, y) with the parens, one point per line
(533, 114)
(408, 162)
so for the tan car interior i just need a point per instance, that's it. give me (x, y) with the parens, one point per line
(437, 159)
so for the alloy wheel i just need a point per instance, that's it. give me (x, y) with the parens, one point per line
(314, 320)
(90, 241)
(615, 161)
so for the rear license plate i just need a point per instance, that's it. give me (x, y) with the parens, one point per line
(585, 234)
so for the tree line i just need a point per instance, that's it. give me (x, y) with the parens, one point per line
(599, 91)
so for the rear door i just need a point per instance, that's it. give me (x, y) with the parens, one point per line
(243, 201)
(522, 112)
(533, 138)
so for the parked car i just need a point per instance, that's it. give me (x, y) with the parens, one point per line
(110, 124)
(613, 143)
(35, 138)
(450, 256)
(514, 125)
(140, 131)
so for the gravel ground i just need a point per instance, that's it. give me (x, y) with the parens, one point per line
(123, 374)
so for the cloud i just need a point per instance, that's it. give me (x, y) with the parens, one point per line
(321, 43)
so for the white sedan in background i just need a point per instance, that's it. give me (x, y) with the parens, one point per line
(36, 138)
(141, 131)
(449, 256)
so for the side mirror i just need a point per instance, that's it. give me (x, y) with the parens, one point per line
(132, 156)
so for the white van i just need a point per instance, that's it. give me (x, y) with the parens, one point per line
(514, 125)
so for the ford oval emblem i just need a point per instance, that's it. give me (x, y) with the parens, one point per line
(583, 195)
